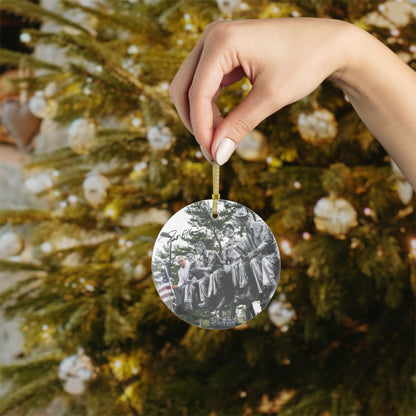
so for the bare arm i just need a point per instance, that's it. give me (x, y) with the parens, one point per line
(382, 89)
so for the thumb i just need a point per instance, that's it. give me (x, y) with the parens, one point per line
(245, 117)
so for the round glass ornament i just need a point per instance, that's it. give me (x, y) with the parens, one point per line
(216, 273)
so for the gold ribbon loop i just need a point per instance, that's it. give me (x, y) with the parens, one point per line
(215, 188)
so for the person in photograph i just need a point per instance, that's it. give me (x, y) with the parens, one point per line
(208, 270)
(183, 272)
(234, 253)
(263, 254)
(183, 290)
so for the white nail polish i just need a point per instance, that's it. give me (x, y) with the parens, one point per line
(206, 156)
(225, 150)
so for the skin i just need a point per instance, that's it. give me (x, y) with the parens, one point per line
(285, 60)
(181, 262)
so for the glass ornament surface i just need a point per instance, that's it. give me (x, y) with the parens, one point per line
(216, 273)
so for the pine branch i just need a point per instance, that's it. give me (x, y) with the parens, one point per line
(37, 12)
(15, 58)
(23, 216)
(100, 53)
(19, 266)
(9, 297)
(137, 24)
(121, 388)
(61, 157)
(34, 384)
(28, 395)
(23, 371)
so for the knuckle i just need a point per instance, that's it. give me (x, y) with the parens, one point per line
(211, 28)
(242, 127)
(192, 92)
(218, 32)
(174, 91)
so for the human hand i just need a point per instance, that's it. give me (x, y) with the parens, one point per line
(284, 59)
(250, 256)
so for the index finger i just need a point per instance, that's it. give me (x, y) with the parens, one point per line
(179, 87)
(203, 92)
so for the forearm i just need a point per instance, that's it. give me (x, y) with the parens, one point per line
(382, 89)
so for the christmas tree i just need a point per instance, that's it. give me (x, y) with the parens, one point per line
(338, 338)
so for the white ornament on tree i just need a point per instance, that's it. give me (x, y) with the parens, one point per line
(39, 183)
(75, 371)
(46, 247)
(281, 313)
(42, 107)
(159, 137)
(95, 188)
(11, 244)
(139, 271)
(318, 127)
(253, 147)
(334, 216)
(228, 7)
(81, 135)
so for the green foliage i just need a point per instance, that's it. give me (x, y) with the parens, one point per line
(38, 384)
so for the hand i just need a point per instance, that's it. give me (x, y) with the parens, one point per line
(284, 59)
(250, 255)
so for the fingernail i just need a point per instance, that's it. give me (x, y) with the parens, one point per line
(225, 150)
(206, 155)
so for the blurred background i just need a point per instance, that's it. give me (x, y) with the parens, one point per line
(94, 160)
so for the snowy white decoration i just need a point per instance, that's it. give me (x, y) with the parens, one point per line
(42, 107)
(38, 183)
(139, 271)
(136, 122)
(334, 216)
(159, 137)
(46, 247)
(72, 199)
(281, 313)
(50, 90)
(228, 7)
(11, 244)
(75, 371)
(132, 50)
(253, 147)
(318, 127)
(95, 188)
(25, 37)
(137, 218)
(81, 134)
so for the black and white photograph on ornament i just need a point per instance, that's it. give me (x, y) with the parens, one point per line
(216, 273)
